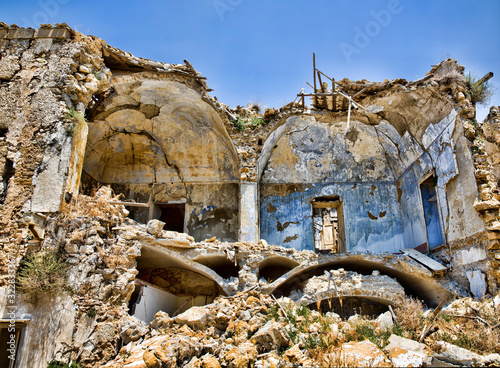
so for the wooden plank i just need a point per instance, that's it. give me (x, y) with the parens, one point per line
(314, 100)
(318, 94)
(325, 204)
(314, 70)
(334, 98)
(321, 102)
(423, 259)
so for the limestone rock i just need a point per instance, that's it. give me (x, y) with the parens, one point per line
(161, 321)
(242, 356)
(396, 341)
(271, 336)
(457, 355)
(155, 227)
(195, 317)
(403, 358)
(364, 354)
(209, 361)
(385, 320)
(294, 355)
(133, 329)
(9, 66)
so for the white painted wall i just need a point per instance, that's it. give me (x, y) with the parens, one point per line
(153, 300)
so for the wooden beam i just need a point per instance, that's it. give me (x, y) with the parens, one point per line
(314, 76)
(326, 204)
(484, 79)
(318, 94)
(334, 98)
(314, 70)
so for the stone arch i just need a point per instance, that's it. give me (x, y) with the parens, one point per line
(416, 280)
(157, 141)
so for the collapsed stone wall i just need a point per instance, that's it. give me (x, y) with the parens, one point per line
(56, 75)
(36, 141)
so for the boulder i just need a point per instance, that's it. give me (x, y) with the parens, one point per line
(132, 329)
(198, 318)
(396, 341)
(456, 355)
(243, 355)
(155, 227)
(385, 320)
(209, 361)
(161, 321)
(363, 354)
(403, 358)
(294, 355)
(271, 336)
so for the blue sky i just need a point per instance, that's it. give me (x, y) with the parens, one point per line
(261, 51)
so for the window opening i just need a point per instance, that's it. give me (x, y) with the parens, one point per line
(173, 216)
(431, 212)
(328, 224)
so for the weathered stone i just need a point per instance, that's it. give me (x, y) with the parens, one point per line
(271, 336)
(385, 320)
(242, 356)
(155, 227)
(403, 358)
(132, 330)
(457, 355)
(9, 66)
(161, 321)
(294, 355)
(195, 317)
(396, 341)
(363, 354)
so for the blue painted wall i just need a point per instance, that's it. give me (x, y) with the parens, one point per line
(371, 212)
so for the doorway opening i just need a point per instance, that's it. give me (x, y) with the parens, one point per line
(328, 224)
(431, 212)
(172, 214)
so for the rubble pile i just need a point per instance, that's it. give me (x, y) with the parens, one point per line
(252, 329)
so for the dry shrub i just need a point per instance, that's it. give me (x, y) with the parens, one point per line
(409, 314)
(451, 77)
(97, 206)
(481, 93)
(473, 329)
(42, 274)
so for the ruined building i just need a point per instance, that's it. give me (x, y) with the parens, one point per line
(393, 183)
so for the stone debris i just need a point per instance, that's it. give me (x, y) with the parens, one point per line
(63, 94)
(363, 354)
(216, 336)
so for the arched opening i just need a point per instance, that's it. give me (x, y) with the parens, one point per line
(421, 287)
(220, 264)
(348, 306)
(272, 268)
(161, 146)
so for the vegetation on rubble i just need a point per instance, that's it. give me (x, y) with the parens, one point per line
(240, 124)
(256, 122)
(480, 92)
(323, 334)
(73, 117)
(56, 364)
(42, 274)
